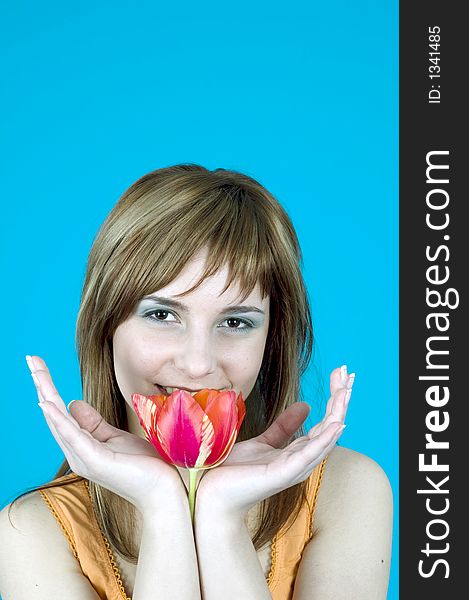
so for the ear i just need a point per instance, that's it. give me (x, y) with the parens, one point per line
(285, 425)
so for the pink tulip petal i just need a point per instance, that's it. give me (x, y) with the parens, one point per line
(224, 455)
(183, 430)
(208, 437)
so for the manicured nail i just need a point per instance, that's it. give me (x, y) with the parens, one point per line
(343, 374)
(36, 380)
(29, 360)
(350, 380)
(68, 405)
(348, 396)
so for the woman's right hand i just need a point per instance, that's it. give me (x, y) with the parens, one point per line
(117, 460)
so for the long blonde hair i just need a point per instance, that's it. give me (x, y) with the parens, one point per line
(156, 226)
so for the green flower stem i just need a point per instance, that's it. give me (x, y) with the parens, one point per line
(192, 488)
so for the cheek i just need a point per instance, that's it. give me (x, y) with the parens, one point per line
(245, 360)
(134, 357)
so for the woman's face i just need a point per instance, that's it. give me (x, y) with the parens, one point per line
(203, 340)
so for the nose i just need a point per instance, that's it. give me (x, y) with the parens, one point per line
(196, 356)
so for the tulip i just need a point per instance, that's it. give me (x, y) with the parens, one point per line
(196, 432)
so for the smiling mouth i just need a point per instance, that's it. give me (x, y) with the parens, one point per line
(169, 390)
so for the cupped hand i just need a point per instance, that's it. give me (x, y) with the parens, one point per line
(263, 466)
(120, 461)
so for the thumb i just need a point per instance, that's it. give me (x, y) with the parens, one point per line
(88, 418)
(285, 425)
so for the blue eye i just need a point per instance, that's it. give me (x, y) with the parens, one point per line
(247, 324)
(159, 315)
(158, 310)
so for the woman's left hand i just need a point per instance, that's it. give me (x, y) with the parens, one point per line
(261, 467)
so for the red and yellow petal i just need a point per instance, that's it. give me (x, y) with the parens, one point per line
(221, 410)
(241, 409)
(147, 409)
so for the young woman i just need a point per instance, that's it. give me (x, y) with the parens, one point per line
(193, 282)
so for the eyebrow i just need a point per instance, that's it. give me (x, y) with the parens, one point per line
(241, 308)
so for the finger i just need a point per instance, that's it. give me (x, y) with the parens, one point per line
(308, 455)
(90, 420)
(338, 379)
(85, 415)
(285, 425)
(336, 400)
(49, 422)
(338, 411)
(332, 411)
(329, 447)
(53, 430)
(340, 404)
(65, 425)
(43, 382)
(332, 400)
(322, 444)
(78, 444)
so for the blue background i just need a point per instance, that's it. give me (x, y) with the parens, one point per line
(302, 96)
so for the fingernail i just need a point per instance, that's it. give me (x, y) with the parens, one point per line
(29, 360)
(348, 396)
(350, 380)
(68, 405)
(343, 374)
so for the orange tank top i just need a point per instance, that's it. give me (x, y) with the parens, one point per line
(72, 507)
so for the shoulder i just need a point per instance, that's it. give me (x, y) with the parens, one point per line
(352, 532)
(27, 516)
(35, 556)
(31, 515)
(27, 526)
(342, 461)
(352, 482)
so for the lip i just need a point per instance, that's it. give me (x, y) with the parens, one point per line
(191, 391)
